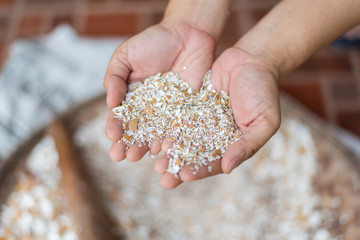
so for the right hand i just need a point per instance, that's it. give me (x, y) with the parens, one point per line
(251, 82)
(176, 47)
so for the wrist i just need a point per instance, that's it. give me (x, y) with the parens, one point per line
(294, 30)
(262, 59)
(276, 56)
(208, 16)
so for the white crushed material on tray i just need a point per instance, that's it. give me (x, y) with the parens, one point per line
(270, 197)
(200, 123)
(36, 209)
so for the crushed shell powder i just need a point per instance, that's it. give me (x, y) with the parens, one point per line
(200, 123)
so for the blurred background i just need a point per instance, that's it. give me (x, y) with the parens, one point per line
(53, 56)
(329, 83)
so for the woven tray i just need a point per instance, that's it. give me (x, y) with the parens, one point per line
(337, 181)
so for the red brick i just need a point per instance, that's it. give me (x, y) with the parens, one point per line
(4, 27)
(329, 62)
(310, 94)
(111, 24)
(230, 34)
(157, 17)
(3, 53)
(332, 52)
(263, 4)
(356, 65)
(299, 77)
(2, 49)
(145, 20)
(6, 2)
(62, 19)
(27, 22)
(139, 1)
(46, 2)
(30, 25)
(4, 22)
(258, 14)
(345, 90)
(350, 121)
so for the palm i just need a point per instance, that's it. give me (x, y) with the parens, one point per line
(252, 89)
(179, 48)
(182, 49)
(254, 101)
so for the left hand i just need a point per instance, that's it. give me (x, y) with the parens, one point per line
(251, 84)
(168, 46)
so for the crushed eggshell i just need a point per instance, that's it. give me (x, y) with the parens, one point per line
(200, 123)
(133, 124)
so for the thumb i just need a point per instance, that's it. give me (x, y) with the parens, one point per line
(254, 137)
(116, 77)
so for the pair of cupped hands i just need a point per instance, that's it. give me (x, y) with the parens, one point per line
(250, 81)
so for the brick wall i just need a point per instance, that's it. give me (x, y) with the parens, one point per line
(329, 83)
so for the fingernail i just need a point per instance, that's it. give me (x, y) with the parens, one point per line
(234, 163)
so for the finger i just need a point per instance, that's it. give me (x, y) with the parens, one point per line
(195, 61)
(116, 77)
(155, 147)
(255, 136)
(166, 144)
(219, 78)
(161, 165)
(169, 181)
(235, 155)
(135, 152)
(190, 173)
(113, 129)
(117, 151)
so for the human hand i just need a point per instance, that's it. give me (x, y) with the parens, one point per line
(177, 47)
(251, 84)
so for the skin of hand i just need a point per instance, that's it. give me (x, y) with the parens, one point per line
(186, 38)
(161, 48)
(251, 82)
(281, 41)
